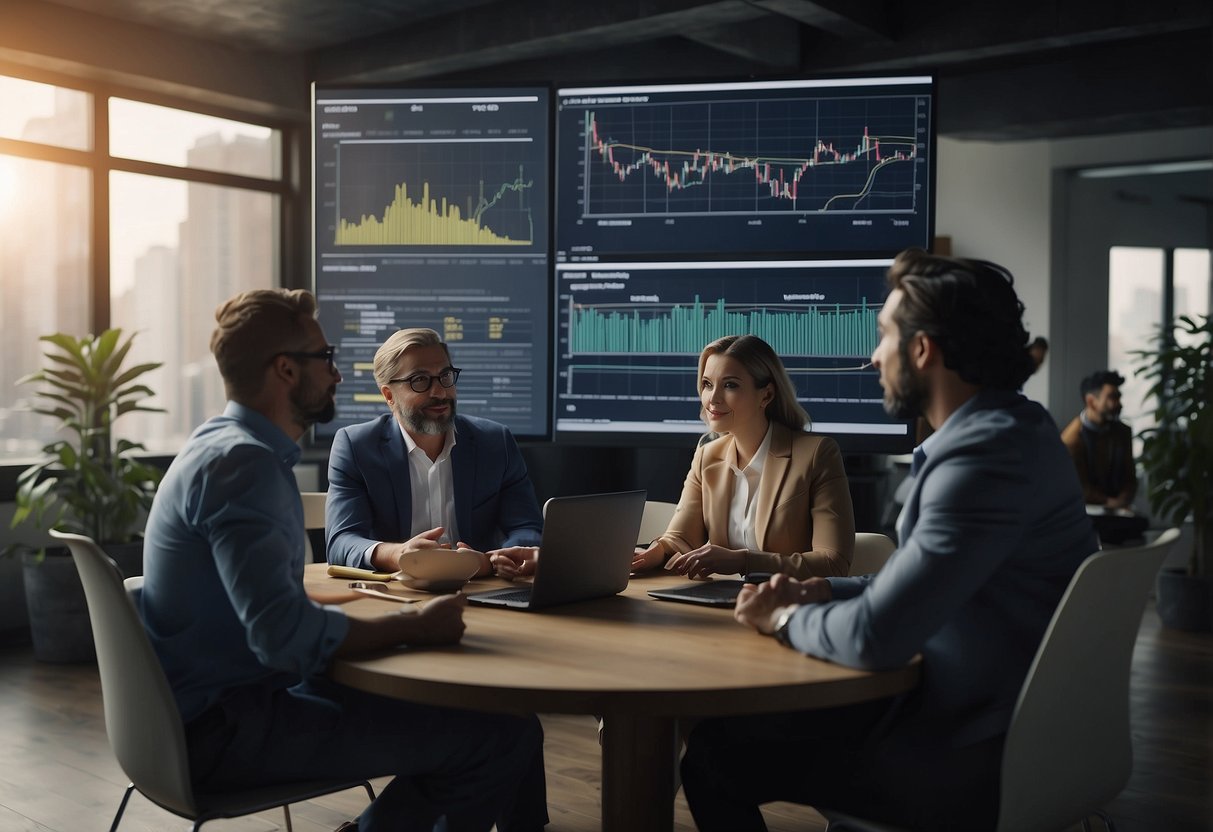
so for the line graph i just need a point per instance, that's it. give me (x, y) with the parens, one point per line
(805, 155)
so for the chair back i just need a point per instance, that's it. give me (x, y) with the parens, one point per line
(654, 521)
(1068, 749)
(871, 552)
(313, 517)
(141, 716)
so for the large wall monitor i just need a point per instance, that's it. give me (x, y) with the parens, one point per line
(810, 168)
(685, 212)
(431, 209)
(630, 334)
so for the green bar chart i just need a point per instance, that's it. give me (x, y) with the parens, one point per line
(822, 330)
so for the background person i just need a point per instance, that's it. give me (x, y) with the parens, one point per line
(1039, 350)
(423, 476)
(243, 647)
(992, 532)
(1101, 445)
(765, 496)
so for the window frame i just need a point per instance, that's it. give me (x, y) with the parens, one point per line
(290, 255)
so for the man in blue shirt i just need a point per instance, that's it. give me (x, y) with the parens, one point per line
(244, 648)
(992, 531)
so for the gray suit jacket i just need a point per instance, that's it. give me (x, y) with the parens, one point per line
(991, 534)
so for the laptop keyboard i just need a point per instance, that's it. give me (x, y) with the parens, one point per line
(513, 595)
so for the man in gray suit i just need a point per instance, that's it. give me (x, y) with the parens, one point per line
(992, 531)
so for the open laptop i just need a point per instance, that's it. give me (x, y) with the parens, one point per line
(586, 552)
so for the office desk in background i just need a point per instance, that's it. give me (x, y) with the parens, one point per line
(638, 662)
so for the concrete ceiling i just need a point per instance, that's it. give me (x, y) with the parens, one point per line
(1007, 70)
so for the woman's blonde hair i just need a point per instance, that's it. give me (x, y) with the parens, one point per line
(764, 367)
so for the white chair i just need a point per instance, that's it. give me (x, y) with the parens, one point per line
(654, 521)
(871, 552)
(1068, 749)
(313, 516)
(141, 717)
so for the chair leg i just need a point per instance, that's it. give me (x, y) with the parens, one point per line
(370, 793)
(1108, 825)
(286, 810)
(122, 806)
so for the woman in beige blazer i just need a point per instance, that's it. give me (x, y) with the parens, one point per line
(764, 496)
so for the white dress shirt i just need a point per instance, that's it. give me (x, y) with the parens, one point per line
(433, 487)
(742, 534)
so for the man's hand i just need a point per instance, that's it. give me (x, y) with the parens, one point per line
(707, 559)
(425, 540)
(514, 561)
(648, 558)
(759, 606)
(440, 621)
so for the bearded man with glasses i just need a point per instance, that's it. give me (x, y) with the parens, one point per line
(421, 476)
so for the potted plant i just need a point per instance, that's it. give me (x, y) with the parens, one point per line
(88, 482)
(1177, 456)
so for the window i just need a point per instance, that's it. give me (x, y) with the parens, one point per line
(175, 137)
(1141, 295)
(36, 112)
(191, 206)
(44, 285)
(178, 249)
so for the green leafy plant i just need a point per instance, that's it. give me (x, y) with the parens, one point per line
(1177, 454)
(88, 482)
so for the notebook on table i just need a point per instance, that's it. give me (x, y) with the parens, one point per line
(719, 592)
(714, 593)
(585, 552)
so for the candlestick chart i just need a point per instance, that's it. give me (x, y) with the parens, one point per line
(807, 155)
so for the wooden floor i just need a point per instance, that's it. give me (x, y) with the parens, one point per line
(57, 773)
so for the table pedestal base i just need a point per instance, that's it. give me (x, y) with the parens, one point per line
(639, 755)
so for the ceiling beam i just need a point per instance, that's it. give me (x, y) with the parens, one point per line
(867, 19)
(1102, 89)
(971, 32)
(769, 42)
(519, 30)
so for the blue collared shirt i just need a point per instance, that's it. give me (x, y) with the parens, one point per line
(223, 598)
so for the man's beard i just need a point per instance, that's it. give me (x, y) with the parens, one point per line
(906, 398)
(311, 406)
(416, 421)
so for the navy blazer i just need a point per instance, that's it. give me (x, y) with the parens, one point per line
(992, 531)
(370, 497)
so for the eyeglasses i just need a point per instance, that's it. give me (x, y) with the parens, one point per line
(327, 354)
(421, 382)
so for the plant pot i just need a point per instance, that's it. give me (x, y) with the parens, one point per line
(58, 612)
(1185, 602)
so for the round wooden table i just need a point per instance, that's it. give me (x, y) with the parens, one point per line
(638, 662)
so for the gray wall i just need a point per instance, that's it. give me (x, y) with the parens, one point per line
(1011, 202)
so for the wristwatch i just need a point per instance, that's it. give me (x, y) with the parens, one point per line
(781, 625)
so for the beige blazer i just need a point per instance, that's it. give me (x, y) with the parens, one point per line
(805, 522)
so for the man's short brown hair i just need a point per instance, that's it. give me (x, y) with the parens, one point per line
(253, 327)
